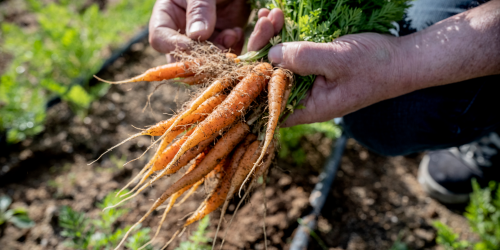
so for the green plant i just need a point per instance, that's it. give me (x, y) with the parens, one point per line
(58, 57)
(17, 216)
(483, 214)
(85, 233)
(199, 240)
(290, 138)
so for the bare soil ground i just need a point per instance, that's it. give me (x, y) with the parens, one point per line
(374, 199)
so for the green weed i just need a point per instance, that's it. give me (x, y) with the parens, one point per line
(483, 214)
(18, 216)
(85, 233)
(199, 240)
(290, 138)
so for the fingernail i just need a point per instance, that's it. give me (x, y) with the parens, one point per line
(196, 27)
(276, 54)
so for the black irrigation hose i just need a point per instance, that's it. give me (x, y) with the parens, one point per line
(318, 196)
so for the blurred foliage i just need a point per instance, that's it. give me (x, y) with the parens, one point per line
(483, 214)
(199, 239)
(85, 233)
(58, 57)
(290, 138)
(17, 216)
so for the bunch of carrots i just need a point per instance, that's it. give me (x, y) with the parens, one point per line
(227, 130)
(224, 132)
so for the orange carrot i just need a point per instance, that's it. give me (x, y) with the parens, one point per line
(223, 147)
(231, 108)
(276, 90)
(159, 129)
(268, 158)
(201, 112)
(160, 73)
(218, 195)
(168, 71)
(175, 197)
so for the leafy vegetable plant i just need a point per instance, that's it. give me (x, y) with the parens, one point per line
(18, 216)
(85, 233)
(57, 58)
(483, 214)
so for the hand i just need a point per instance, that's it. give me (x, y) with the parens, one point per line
(355, 71)
(352, 72)
(175, 22)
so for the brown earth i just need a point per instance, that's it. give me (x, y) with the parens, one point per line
(374, 199)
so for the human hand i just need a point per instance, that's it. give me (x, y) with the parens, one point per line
(355, 71)
(352, 72)
(175, 22)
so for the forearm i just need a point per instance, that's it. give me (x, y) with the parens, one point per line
(461, 47)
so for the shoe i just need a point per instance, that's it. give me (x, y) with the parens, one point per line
(446, 175)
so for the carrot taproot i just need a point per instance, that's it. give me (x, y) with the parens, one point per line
(160, 73)
(165, 157)
(191, 192)
(277, 87)
(218, 195)
(175, 197)
(201, 112)
(166, 139)
(168, 71)
(221, 149)
(231, 108)
(259, 172)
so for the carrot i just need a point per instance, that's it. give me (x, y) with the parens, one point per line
(277, 87)
(164, 158)
(201, 112)
(160, 73)
(175, 197)
(231, 108)
(259, 172)
(167, 71)
(223, 147)
(218, 195)
(191, 192)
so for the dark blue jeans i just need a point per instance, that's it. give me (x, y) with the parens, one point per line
(432, 118)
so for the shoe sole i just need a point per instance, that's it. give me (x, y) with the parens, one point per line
(434, 189)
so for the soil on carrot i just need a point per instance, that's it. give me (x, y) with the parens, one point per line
(374, 199)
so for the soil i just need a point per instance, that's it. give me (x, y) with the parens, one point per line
(374, 200)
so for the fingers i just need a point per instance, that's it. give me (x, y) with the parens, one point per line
(321, 104)
(277, 18)
(263, 32)
(263, 12)
(268, 26)
(166, 19)
(200, 19)
(305, 58)
(230, 39)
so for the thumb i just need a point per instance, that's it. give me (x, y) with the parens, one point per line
(200, 19)
(303, 58)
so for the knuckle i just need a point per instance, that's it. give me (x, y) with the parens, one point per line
(198, 9)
